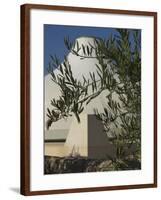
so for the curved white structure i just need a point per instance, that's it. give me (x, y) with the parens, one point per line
(80, 138)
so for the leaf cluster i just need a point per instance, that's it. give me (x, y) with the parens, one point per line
(119, 72)
(73, 94)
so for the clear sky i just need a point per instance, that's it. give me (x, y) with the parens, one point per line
(54, 38)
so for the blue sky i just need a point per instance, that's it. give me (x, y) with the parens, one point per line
(54, 38)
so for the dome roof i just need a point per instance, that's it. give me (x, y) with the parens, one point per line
(80, 67)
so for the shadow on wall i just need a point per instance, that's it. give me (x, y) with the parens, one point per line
(98, 143)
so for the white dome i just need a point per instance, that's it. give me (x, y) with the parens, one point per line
(77, 135)
(80, 67)
(84, 64)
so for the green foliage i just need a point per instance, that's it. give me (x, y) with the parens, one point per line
(124, 81)
(119, 72)
(73, 93)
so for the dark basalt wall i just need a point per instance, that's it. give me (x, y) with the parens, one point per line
(57, 165)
